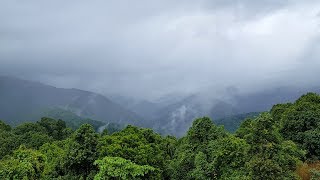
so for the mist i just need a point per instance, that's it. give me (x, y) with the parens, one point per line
(147, 49)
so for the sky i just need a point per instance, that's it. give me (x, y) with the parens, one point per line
(147, 49)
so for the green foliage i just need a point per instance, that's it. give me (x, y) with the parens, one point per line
(119, 168)
(278, 109)
(300, 122)
(34, 135)
(8, 142)
(28, 128)
(201, 170)
(264, 135)
(55, 156)
(315, 174)
(271, 156)
(168, 145)
(4, 126)
(268, 146)
(192, 158)
(141, 146)
(24, 164)
(31, 135)
(245, 129)
(201, 132)
(299, 119)
(54, 128)
(311, 143)
(71, 119)
(232, 123)
(81, 151)
(228, 155)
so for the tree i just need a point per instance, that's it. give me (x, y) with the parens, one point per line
(28, 127)
(245, 129)
(81, 151)
(119, 168)
(4, 126)
(278, 110)
(191, 160)
(272, 157)
(227, 157)
(8, 143)
(139, 145)
(202, 168)
(54, 128)
(311, 142)
(300, 122)
(24, 164)
(55, 158)
(202, 131)
(31, 135)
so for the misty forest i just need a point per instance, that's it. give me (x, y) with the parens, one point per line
(160, 90)
(283, 143)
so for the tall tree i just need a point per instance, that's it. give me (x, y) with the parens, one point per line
(300, 122)
(81, 151)
(191, 160)
(139, 145)
(271, 156)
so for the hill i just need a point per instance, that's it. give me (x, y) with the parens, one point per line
(22, 100)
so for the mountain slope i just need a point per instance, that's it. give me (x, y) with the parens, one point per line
(177, 117)
(21, 100)
(72, 120)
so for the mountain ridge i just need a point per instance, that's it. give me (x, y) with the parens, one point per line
(29, 97)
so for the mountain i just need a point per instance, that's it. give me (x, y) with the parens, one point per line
(22, 100)
(177, 116)
(144, 108)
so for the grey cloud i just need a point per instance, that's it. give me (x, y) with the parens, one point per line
(151, 48)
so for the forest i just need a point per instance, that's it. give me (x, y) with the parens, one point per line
(283, 143)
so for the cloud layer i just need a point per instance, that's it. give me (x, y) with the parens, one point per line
(149, 48)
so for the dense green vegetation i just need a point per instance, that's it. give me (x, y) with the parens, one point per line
(281, 144)
(232, 123)
(72, 120)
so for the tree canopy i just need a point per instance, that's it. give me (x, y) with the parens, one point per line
(283, 143)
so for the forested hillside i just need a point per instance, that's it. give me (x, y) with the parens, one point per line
(23, 101)
(283, 143)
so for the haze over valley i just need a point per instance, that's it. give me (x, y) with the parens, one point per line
(24, 101)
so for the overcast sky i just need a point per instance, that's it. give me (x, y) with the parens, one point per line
(148, 48)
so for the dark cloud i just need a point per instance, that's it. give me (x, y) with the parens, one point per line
(151, 48)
